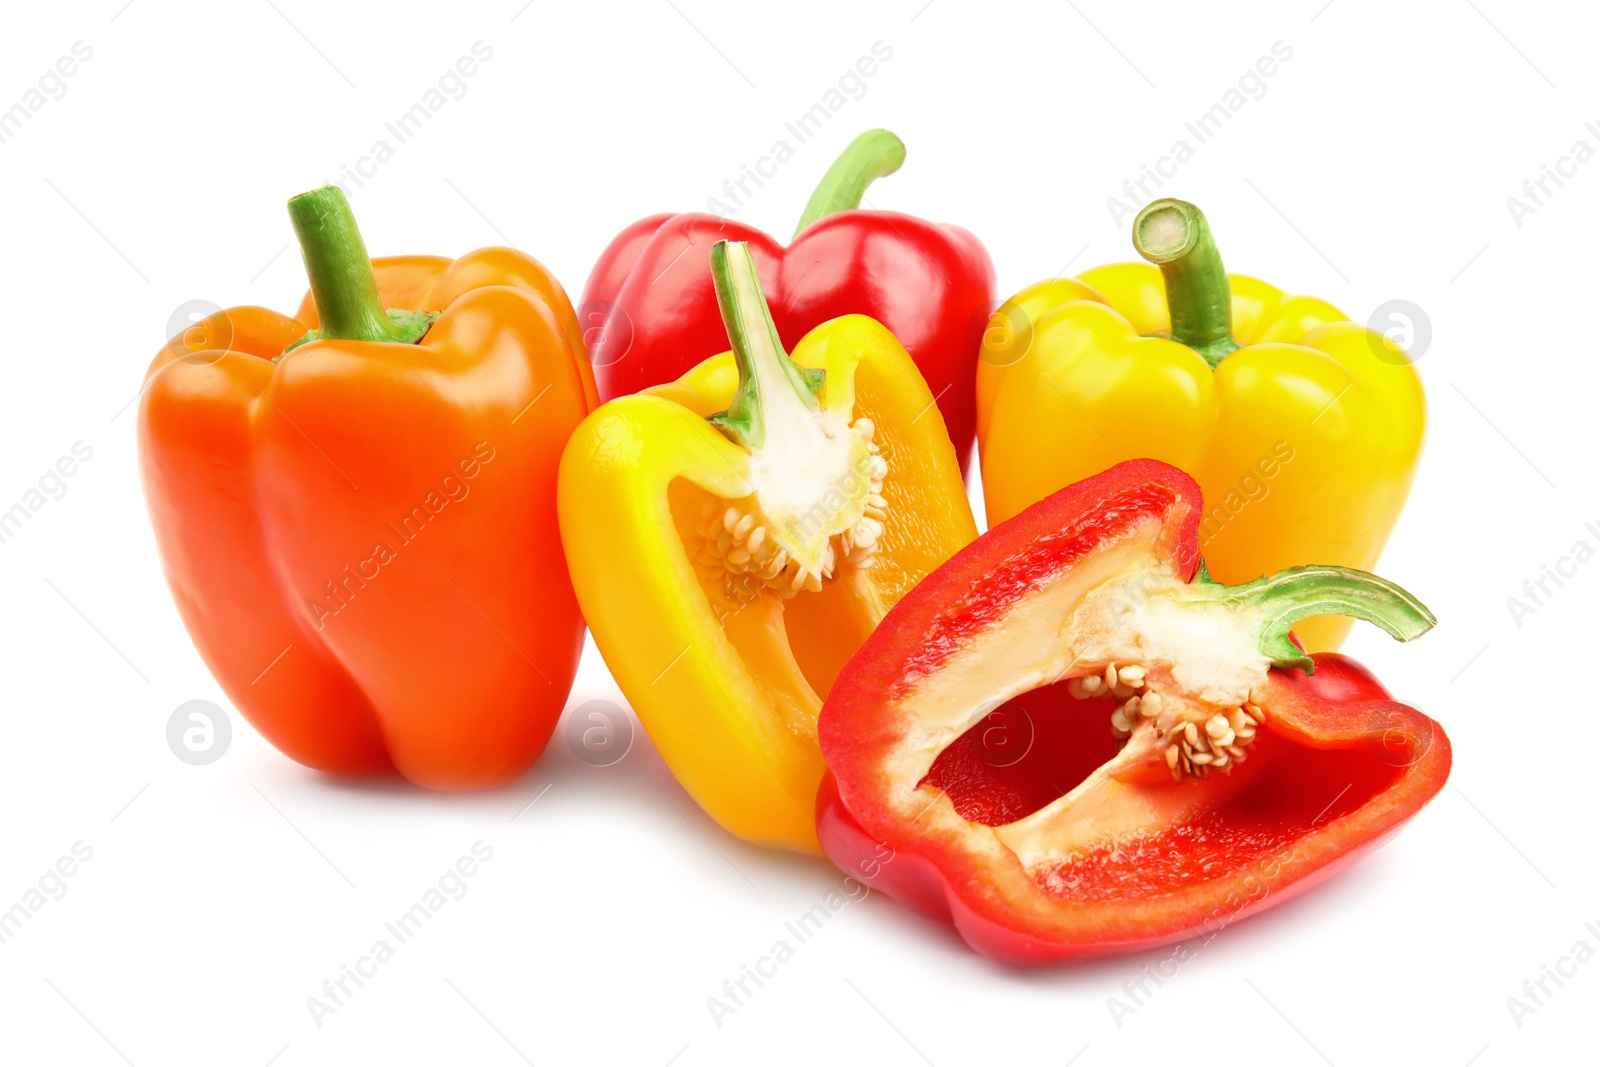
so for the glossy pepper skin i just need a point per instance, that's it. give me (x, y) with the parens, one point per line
(1336, 767)
(361, 534)
(651, 312)
(727, 680)
(1303, 428)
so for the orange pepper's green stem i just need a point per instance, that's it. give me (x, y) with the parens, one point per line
(1174, 235)
(769, 380)
(864, 160)
(340, 273)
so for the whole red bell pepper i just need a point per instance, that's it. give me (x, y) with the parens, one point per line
(650, 313)
(973, 776)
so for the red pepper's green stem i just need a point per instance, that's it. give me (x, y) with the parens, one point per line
(768, 378)
(1285, 598)
(1174, 235)
(341, 274)
(866, 159)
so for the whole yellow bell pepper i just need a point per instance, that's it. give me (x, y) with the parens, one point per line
(735, 535)
(1302, 428)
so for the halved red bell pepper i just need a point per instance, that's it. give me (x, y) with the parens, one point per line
(650, 312)
(973, 777)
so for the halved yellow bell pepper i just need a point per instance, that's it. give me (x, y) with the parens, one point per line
(1302, 428)
(735, 535)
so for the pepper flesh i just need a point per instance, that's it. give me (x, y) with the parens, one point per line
(969, 780)
(360, 535)
(651, 306)
(726, 676)
(1304, 433)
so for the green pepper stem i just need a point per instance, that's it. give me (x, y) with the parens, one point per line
(342, 284)
(767, 376)
(864, 160)
(1284, 598)
(1174, 235)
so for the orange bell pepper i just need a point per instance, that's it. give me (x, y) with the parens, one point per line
(356, 511)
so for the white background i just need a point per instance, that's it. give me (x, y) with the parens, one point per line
(1377, 166)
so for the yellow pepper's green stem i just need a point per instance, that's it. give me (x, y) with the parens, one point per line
(768, 378)
(864, 160)
(1174, 235)
(341, 277)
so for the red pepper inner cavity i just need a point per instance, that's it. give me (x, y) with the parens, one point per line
(1024, 754)
(1040, 745)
